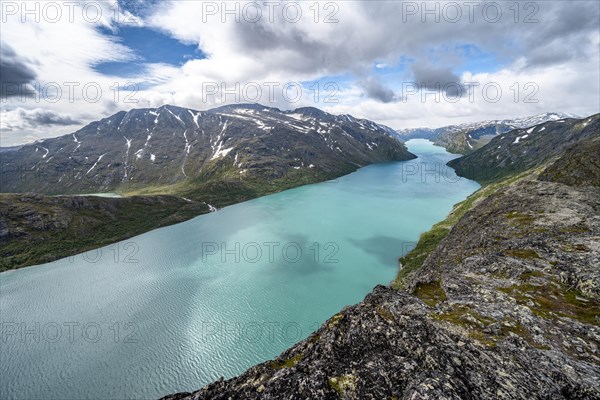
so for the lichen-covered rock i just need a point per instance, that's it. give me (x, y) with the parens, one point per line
(412, 356)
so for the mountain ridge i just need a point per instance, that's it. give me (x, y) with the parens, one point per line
(521, 149)
(467, 137)
(170, 145)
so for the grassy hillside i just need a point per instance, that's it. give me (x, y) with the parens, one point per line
(429, 240)
(36, 229)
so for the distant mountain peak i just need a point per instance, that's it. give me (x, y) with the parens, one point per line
(310, 111)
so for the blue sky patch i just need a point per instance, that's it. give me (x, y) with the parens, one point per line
(150, 46)
(477, 60)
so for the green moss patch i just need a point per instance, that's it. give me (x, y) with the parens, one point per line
(385, 314)
(475, 324)
(315, 338)
(335, 320)
(343, 384)
(575, 229)
(289, 363)
(525, 276)
(430, 293)
(464, 316)
(552, 301)
(517, 218)
(525, 254)
(575, 248)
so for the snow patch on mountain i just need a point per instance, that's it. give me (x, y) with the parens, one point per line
(519, 138)
(96, 163)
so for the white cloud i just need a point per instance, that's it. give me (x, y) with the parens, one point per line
(571, 87)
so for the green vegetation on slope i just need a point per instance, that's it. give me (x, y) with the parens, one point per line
(429, 240)
(41, 229)
(36, 229)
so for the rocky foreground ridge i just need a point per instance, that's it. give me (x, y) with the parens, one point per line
(507, 306)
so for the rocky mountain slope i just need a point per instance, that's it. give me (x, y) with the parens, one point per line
(521, 149)
(506, 305)
(182, 151)
(579, 166)
(465, 138)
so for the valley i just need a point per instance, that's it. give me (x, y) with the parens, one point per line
(350, 200)
(468, 137)
(510, 273)
(171, 164)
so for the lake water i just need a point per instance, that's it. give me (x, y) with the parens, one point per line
(178, 307)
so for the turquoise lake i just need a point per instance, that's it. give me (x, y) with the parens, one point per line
(176, 308)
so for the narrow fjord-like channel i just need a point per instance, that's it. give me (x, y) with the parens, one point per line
(178, 307)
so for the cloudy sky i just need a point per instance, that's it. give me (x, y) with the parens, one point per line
(403, 64)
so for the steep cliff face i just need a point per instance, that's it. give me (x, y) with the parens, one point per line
(507, 306)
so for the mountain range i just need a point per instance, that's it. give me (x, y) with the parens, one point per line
(522, 149)
(170, 164)
(192, 153)
(467, 137)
